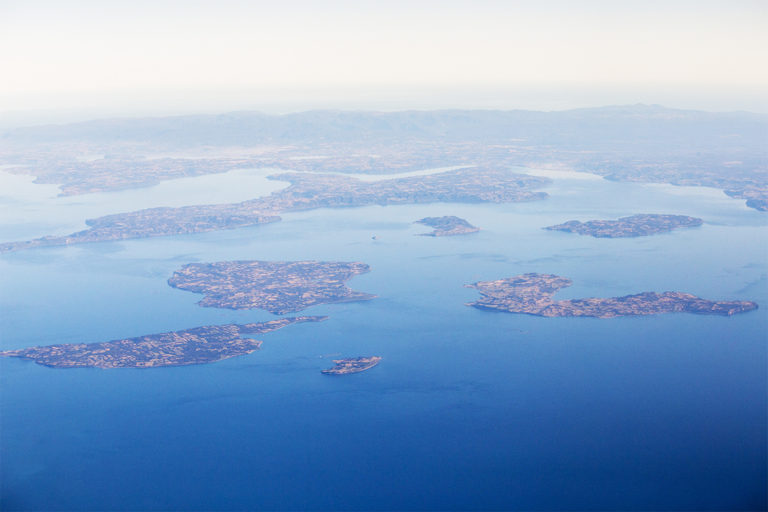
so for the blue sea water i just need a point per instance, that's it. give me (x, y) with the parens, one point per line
(468, 410)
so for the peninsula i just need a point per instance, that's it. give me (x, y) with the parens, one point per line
(276, 286)
(447, 226)
(635, 143)
(532, 294)
(352, 365)
(632, 226)
(192, 346)
(306, 192)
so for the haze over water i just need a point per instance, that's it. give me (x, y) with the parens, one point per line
(467, 410)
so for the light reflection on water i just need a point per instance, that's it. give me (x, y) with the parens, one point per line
(468, 409)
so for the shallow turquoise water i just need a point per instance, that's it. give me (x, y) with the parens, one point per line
(468, 409)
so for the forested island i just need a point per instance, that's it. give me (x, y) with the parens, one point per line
(200, 345)
(632, 226)
(532, 294)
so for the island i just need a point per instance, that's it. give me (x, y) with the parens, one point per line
(276, 286)
(632, 226)
(352, 365)
(532, 294)
(200, 345)
(306, 192)
(447, 226)
(635, 143)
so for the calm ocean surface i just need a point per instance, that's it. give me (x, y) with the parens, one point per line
(468, 409)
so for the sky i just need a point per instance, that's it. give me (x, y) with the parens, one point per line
(154, 55)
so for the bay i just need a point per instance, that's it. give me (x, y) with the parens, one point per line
(467, 410)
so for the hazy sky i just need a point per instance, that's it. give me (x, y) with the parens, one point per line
(74, 54)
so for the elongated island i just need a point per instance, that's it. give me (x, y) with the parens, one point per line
(306, 192)
(532, 294)
(352, 365)
(632, 226)
(200, 345)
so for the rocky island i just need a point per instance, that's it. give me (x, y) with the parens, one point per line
(632, 226)
(276, 286)
(352, 365)
(192, 346)
(447, 226)
(306, 192)
(532, 294)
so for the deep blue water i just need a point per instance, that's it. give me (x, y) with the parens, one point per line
(468, 409)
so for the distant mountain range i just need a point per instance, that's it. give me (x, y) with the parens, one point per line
(606, 128)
